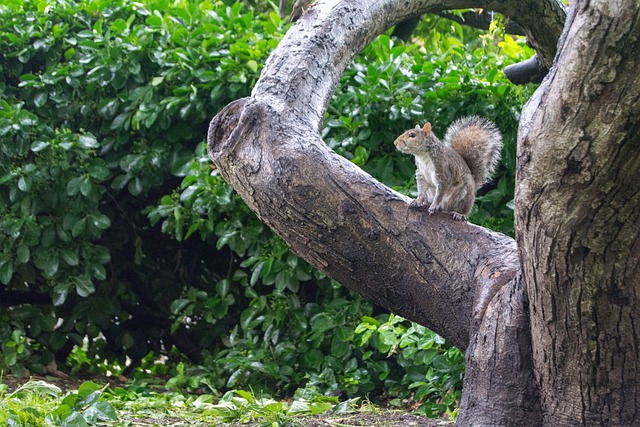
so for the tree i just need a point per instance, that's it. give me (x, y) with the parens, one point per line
(549, 321)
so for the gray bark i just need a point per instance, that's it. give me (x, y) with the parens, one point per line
(577, 216)
(576, 211)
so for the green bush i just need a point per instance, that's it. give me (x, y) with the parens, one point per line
(117, 238)
(102, 105)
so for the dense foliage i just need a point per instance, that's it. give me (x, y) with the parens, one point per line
(118, 241)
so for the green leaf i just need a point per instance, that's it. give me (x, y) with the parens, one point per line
(339, 348)
(37, 146)
(388, 337)
(101, 411)
(73, 186)
(282, 280)
(99, 272)
(68, 54)
(6, 271)
(86, 186)
(61, 411)
(99, 172)
(23, 254)
(371, 321)
(69, 256)
(321, 323)
(24, 183)
(222, 287)
(60, 293)
(253, 65)
(121, 121)
(40, 99)
(109, 108)
(88, 141)
(6, 178)
(178, 305)
(26, 118)
(256, 272)
(75, 419)
(128, 341)
(78, 227)
(120, 182)
(135, 186)
(313, 359)
(50, 265)
(88, 393)
(101, 221)
(39, 386)
(84, 286)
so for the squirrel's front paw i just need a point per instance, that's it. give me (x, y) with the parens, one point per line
(417, 203)
(458, 216)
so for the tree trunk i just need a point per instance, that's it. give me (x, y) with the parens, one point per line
(578, 216)
(522, 330)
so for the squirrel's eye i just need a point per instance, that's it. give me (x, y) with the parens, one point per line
(412, 134)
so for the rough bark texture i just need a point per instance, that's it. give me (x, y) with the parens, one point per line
(577, 215)
(350, 226)
(499, 386)
(553, 344)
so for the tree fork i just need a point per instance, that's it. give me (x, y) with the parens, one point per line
(458, 279)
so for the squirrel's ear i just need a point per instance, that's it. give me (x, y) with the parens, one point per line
(427, 127)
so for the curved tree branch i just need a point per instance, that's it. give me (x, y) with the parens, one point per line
(334, 31)
(350, 226)
(570, 313)
(460, 280)
(331, 212)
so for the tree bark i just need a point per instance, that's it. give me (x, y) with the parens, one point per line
(577, 218)
(574, 298)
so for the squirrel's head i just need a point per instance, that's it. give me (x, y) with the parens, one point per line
(412, 139)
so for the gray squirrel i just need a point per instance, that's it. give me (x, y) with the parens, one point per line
(449, 173)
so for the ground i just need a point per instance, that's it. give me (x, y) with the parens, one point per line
(383, 419)
(352, 420)
(142, 415)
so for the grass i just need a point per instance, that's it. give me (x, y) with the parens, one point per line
(39, 403)
(29, 404)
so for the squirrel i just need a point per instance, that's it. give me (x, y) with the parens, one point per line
(449, 173)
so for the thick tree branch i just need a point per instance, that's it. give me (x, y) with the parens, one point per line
(460, 280)
(361, 233)
(329, 211)
(334, 31)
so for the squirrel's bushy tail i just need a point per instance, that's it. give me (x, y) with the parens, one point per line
(479, 142)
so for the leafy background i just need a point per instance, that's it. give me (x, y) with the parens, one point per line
(123, 251)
